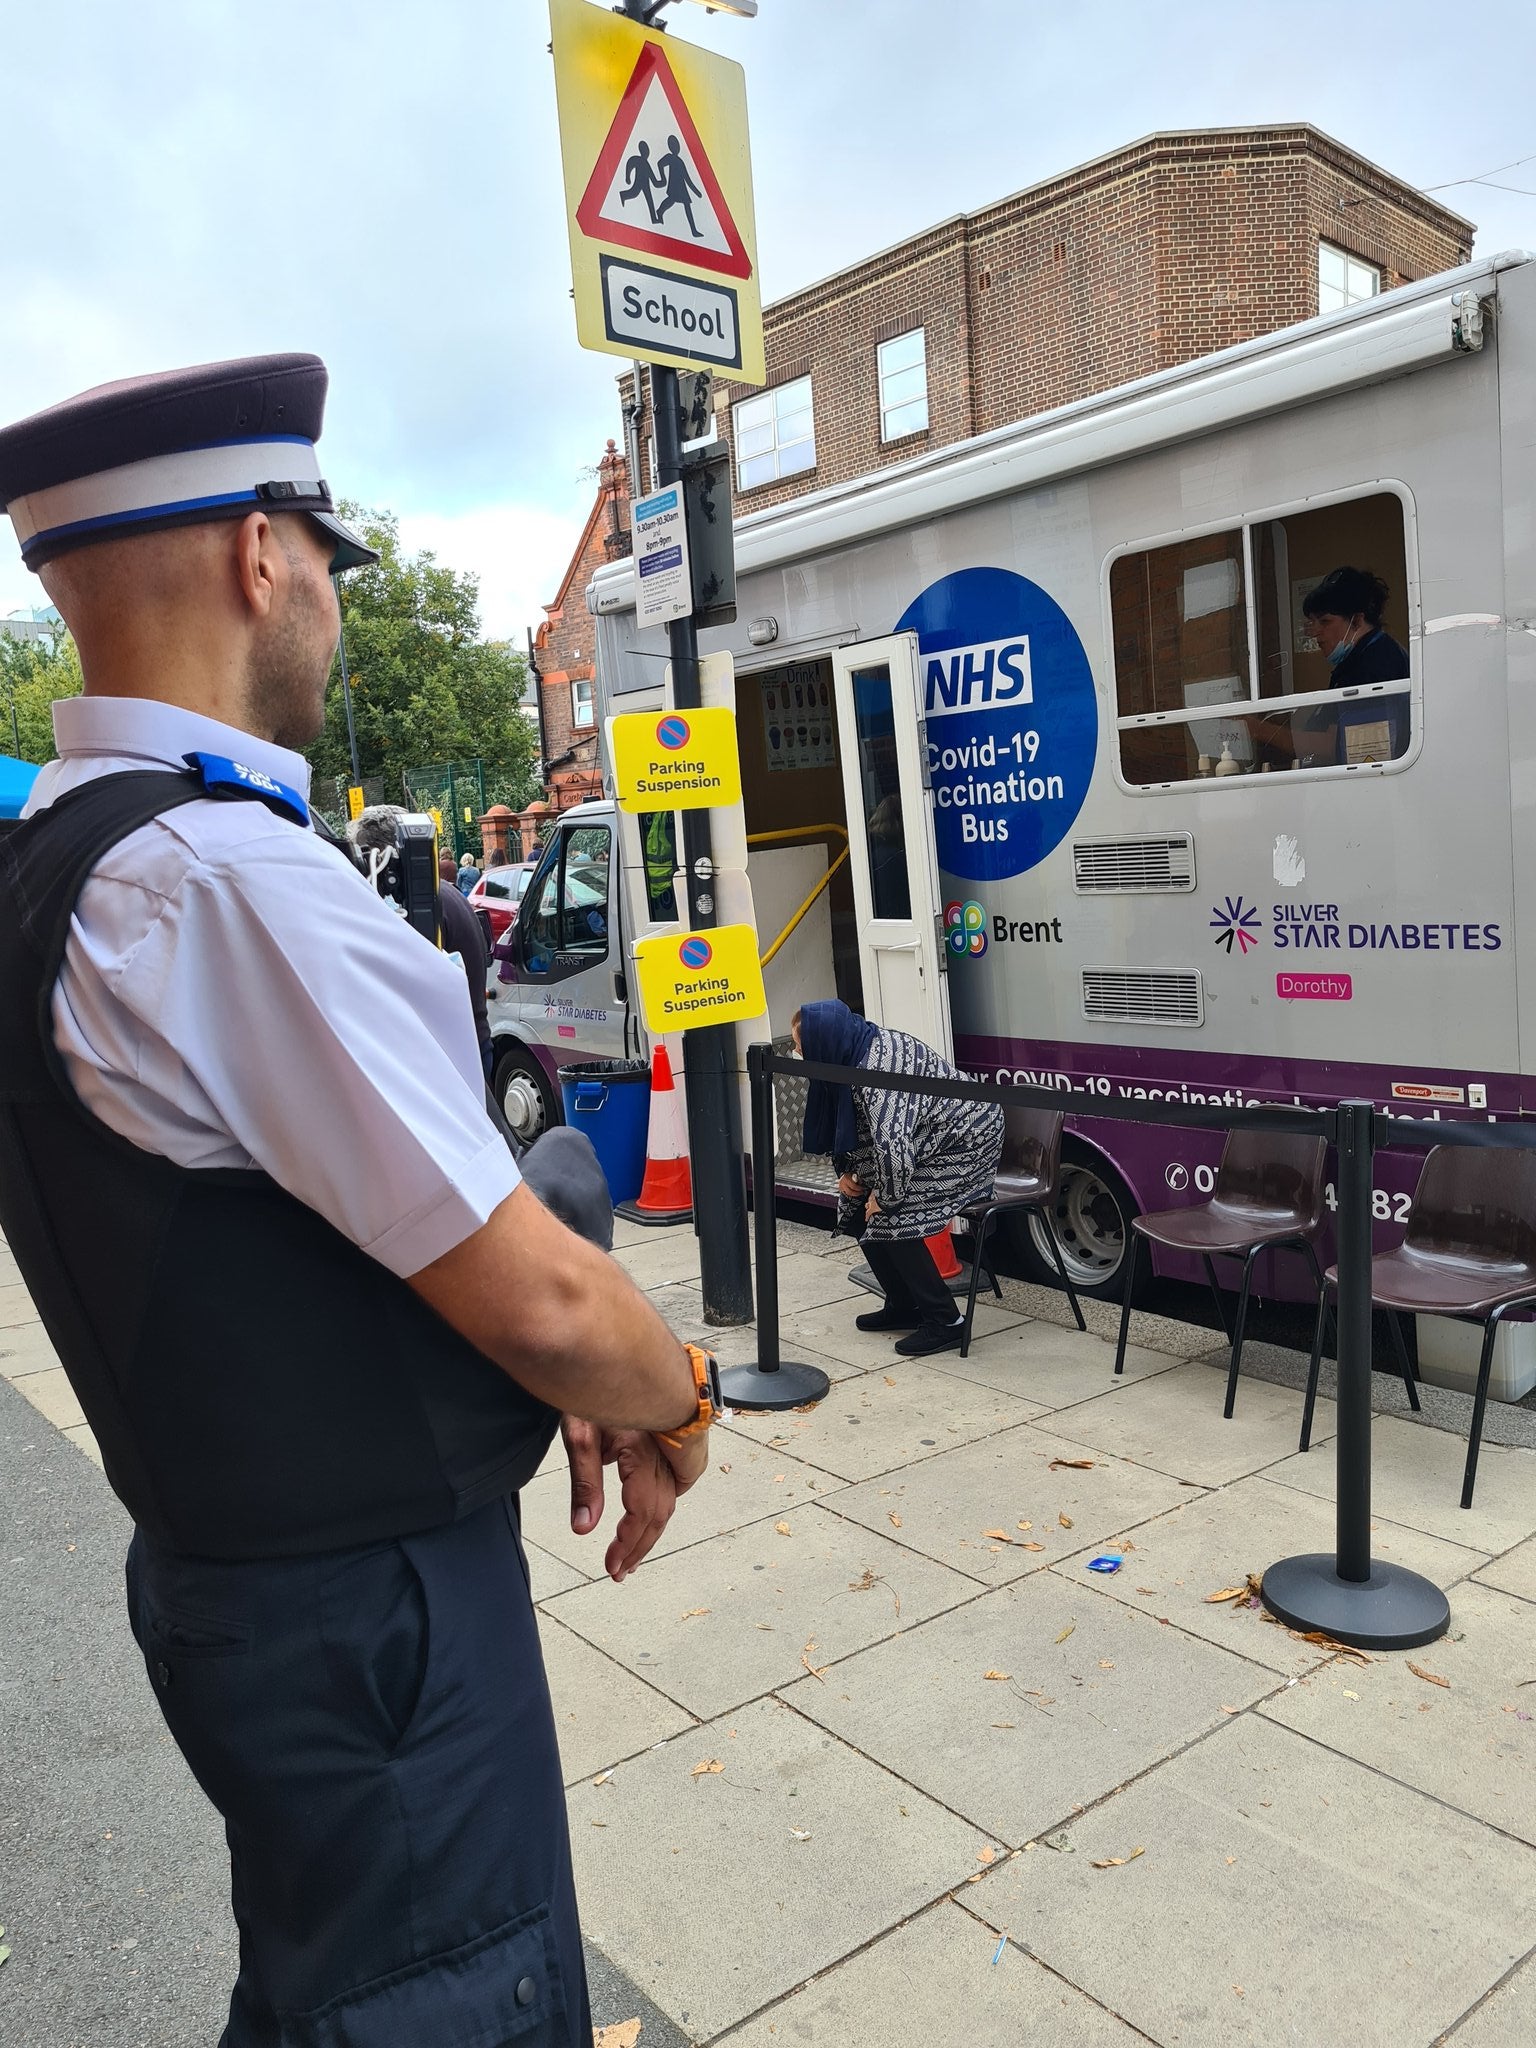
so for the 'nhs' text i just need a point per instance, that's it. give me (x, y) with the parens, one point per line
(991, 674)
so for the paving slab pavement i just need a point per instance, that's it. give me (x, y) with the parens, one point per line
(916, 1987)
(1174, 1424)
(1416, 1480)
(1506, 2019)
(603, 1713)
(879, 1421)
(1213, 1541)
(1083, 1695)
(968, 1507)
(1053, 1367)
(714, 1929)
(724, 1621)
(1515, 1571)
(1284, 1894)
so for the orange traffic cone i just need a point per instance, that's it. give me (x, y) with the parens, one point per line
(666, 1193)
(942, 1245)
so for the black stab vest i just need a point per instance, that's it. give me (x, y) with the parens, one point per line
(259, 1387)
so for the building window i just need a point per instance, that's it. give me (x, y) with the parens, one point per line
(1343, 280)
(581, 703)
(903, 385)
(775, 434)
(1220, 670)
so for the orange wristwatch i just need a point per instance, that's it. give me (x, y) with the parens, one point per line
(706, 1382)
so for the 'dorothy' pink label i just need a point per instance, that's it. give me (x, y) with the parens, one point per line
(1315, 988)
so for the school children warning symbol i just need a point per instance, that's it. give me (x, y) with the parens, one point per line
(653, 187)
(658, 194)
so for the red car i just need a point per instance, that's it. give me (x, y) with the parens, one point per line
(496, 896)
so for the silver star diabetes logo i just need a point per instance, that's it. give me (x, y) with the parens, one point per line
(1236, 923)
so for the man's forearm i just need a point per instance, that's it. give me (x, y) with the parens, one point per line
(561, 1318)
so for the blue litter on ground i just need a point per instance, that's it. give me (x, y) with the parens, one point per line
(1105, 1564)
(997, 1952)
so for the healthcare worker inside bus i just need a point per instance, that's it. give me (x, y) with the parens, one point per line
(906, 1163)
(1344, 614)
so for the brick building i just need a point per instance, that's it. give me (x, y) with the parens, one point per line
(563, 646)
(1170, 248)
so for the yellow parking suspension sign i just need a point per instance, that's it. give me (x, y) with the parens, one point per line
(675, 760)
(691, 979)
(658, 191)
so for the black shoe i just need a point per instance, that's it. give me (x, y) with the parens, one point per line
(888, 1318)
(929, 1337)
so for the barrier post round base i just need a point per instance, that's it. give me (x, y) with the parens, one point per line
(1350, 1595)
(786, 1384)
(1391, 1610)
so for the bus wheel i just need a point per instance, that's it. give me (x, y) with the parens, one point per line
(1093, 1215)
(527, 1101)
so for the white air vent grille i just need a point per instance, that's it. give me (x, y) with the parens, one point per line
(1125, 995)
(1133, 867)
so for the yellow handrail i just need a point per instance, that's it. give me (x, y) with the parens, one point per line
(800, 832)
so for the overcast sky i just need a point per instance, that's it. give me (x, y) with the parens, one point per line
(193, 179)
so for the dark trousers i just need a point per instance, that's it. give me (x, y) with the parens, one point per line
(910, 1279)
(375, 1729)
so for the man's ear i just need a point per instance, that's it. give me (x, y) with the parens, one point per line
(260, 565)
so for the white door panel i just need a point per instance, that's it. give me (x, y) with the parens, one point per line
(891, 841)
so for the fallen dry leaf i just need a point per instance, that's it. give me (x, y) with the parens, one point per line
(1118, 1862)
(781, 1528)
(711, 1767)
(1429, 1677)
(726, 1466)
(1066, 1631)
(1071, 1465)
(779, 1478)
(1350, 1695)
(888, 1380)
(1106, 1664)
(1065, 1521)
(986, 1854)
(894, 1520)
(865, 1585)
(693, 1612)
(1226, 1593)
(997, 1535)
(1024, 1525)
(1003, 1724)
(1003, 1675)
(1146, 1591)
(1031, 1546)
(625, 2034)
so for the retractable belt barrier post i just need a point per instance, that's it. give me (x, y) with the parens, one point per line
(1347, 1594)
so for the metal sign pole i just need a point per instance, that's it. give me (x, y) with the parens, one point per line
(709, 1059)
(1349, 1595)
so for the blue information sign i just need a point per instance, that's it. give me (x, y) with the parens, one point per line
(1012, 719)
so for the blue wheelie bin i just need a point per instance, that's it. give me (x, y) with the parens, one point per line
(611, 1101)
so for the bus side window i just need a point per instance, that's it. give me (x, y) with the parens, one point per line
(1196, 699)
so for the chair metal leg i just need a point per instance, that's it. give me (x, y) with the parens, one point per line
(1312, 1371)
(970, 1294)
(1221, 1306)
(1061, 1268)
(1237, 1334)
(1125, 1302)
(1399, 1344)
(1479, 1407)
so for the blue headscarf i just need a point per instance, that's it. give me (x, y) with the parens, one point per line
(838, 1036)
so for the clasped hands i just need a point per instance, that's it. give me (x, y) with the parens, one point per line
(651, 1480)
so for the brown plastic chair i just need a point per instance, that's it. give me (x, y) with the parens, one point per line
(1469, 1252)
(1268, 1197)
(1028, 1177)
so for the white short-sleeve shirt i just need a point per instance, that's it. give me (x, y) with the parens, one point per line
(234, 994)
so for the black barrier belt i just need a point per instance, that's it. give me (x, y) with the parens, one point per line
(1208, 1116)
(1402, 1130)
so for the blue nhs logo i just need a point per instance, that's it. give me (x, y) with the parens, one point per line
(985, 677)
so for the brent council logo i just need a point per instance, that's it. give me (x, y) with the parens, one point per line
(965, 929)
(1236, 923)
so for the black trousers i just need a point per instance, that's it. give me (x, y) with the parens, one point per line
(375, 1729)
(910, 1278)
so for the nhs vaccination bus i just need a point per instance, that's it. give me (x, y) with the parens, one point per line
(1101, 813)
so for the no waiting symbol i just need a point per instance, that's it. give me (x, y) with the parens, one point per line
(673, 732)
(696, 952)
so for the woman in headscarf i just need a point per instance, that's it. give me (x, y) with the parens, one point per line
(906, 1164)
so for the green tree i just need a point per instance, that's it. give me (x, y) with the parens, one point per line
(425, 685)
(33, 674)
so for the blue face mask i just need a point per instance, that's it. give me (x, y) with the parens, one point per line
(1340, 653)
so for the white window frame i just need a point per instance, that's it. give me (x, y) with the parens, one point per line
(1245, 522)
(1352, 264)
(583, 717)
(773, 399)
(883, 376)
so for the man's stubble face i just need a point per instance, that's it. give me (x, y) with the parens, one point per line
(292, 662)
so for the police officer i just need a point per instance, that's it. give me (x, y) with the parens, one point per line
(321, 1328)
